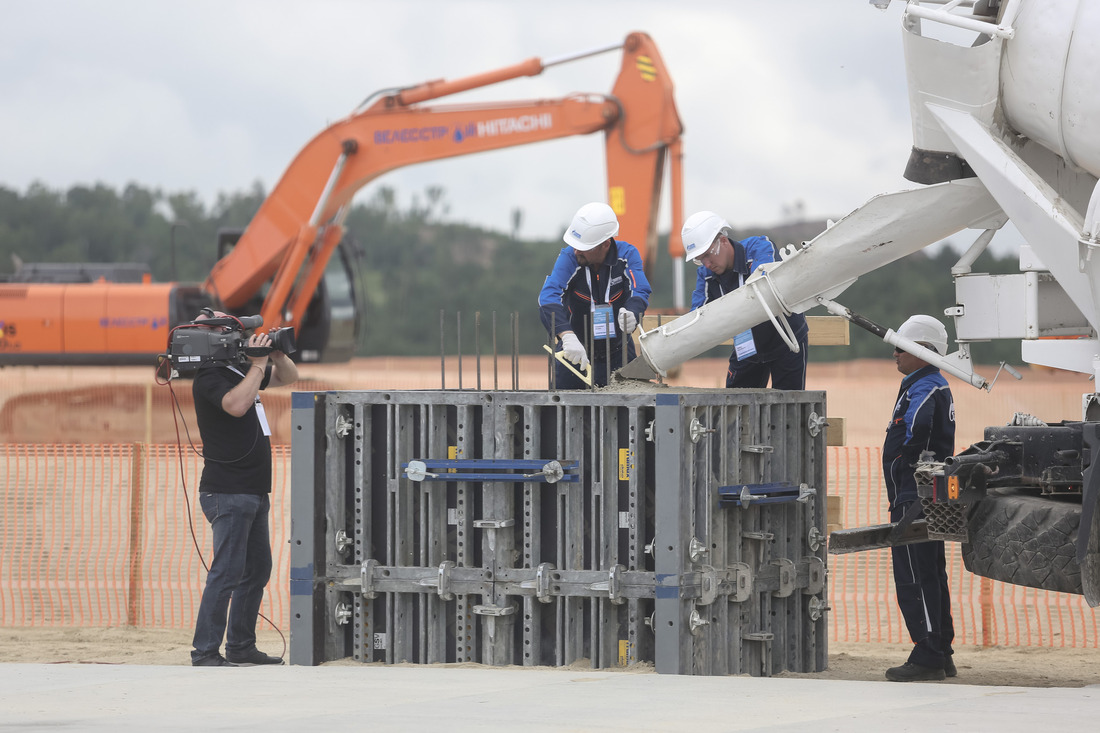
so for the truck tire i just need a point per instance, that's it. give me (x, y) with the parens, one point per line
(1020, 538)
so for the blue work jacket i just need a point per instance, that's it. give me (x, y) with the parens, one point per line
(570, 290)
(923, 420)
(749, 254)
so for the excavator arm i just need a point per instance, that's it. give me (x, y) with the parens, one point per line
(296, 229)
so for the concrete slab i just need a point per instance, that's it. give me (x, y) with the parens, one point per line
(455, 699)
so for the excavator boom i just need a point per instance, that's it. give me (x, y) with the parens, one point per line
(288, 235)
(289, 243)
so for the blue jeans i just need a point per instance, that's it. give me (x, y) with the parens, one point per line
(239, 570)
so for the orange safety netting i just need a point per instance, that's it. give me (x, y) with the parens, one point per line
(100, 535)
(985, 612)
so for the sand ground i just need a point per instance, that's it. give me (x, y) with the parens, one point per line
(861, 391)
(1017, 666)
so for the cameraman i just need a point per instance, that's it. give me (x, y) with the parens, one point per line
(234, 495)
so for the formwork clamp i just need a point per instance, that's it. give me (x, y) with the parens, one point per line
(815, 575)
(740, 582)
(366, 578)
(734, 582)
(443, 581)
(542, 581)
(743, 495)
(491, 469)
(787, 575)
(613, 586)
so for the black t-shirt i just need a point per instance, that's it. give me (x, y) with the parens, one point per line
(236, 451)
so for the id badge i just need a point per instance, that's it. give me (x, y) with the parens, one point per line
(743, 345)
(263, 418)
(603, 322)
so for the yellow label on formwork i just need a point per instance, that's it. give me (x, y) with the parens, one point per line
(626, 463)
(626, 651)
(452, 454)
(616, 198)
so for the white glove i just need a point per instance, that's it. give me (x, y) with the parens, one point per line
(572, 350)
(627, 321)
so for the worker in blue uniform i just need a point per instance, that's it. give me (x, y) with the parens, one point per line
(922, 429)
(760, 353)
(597, 289)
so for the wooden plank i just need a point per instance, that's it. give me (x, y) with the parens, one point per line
(836, 432)
(834, 511)
(828, 331)
(824, 330)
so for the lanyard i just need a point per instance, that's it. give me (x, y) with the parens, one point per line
(261, 414)
(607, 292)
(740, 282)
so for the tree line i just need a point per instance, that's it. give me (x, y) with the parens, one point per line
(421, 277)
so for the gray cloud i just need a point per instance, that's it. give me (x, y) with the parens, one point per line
(799, 100)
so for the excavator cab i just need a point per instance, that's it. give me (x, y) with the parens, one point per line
(330, 327)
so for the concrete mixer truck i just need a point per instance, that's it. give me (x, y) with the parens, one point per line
(1006, 127)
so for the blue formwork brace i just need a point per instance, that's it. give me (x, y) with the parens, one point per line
(499, 469)
(743, 495)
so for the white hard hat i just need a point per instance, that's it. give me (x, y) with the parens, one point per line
(925, 330)
(592, 225)
(699, 232)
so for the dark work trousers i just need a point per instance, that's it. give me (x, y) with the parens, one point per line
(920, 579)
(239, 571)
(786, 372)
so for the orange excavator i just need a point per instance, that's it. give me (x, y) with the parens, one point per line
(283, 265)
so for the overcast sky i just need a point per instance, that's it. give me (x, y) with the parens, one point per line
(782, 101)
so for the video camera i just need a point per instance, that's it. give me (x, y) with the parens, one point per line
(221, 341)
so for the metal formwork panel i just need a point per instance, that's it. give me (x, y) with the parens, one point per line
(677, 527)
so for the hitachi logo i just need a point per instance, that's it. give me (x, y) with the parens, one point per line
(508, 125)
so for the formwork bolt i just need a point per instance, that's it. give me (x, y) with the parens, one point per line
(696, 549)
(552, 471)
(343, 425)
(343, 614)
(697, 430)
(696, 621)
(814, 538)
(815, 423)
(343, 542)
(816, 608)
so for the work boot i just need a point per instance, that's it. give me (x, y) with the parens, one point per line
(252, 658)
(214, 660)
(949, 666)
(910, 672)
